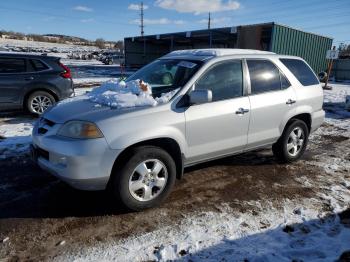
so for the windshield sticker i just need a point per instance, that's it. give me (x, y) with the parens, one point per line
(186, 64)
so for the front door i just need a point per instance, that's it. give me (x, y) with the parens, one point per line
(219, 127)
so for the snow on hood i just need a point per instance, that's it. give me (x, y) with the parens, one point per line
(125, 97)
(120, 94)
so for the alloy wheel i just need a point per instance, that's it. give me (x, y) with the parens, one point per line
(295, 141)
(40, 103)
(148, 180)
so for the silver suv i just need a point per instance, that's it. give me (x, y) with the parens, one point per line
(228, 101)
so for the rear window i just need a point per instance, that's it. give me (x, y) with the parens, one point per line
(38, 65)
(12, 65)
(301, 71)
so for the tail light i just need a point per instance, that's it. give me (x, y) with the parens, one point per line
(66, 73)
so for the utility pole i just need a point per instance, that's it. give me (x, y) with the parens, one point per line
(209, 21)
(141, 22)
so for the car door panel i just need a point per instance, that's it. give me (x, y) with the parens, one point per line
(220, 127)
(13, 78)
(12, 86)
(272, 98)
(214, 129)
(267, 115)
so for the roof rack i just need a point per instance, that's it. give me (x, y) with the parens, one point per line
(216, 52)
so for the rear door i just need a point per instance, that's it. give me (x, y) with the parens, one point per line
(13, 79)
(272, 98)
(219, 127)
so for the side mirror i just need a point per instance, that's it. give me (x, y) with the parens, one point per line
(200, 96)
(322, 76)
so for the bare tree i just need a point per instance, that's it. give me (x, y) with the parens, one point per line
(119, 44)
(100, 43)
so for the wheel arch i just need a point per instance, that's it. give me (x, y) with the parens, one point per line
(305, 117)
(44, 89)
(170, 145)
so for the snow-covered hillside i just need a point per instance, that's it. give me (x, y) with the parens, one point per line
(61, 48)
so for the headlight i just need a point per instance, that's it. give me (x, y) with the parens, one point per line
(80, 129)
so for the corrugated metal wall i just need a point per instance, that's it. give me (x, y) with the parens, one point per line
(311, 47)
(341, 69)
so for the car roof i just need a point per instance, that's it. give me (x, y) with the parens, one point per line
(205, 54)
(25, 55)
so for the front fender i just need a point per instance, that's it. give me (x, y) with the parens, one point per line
(123, 132)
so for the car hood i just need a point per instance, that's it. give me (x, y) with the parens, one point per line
(84, 109)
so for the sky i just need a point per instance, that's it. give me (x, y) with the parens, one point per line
(116, 19)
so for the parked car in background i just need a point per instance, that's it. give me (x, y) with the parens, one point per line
(114, 59)
(225, 102)
(33, 82)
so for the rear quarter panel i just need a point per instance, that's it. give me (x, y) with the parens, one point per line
(309, 99)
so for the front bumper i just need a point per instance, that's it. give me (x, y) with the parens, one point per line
(83, 164)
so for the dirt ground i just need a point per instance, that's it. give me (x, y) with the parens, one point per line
(40, 217)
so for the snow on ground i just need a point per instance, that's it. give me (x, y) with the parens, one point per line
(82, 91)
(297, 232)
(74, 62)
(37, 44)
(92, 80)
(15, 137)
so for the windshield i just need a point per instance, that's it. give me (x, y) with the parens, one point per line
(166, 75)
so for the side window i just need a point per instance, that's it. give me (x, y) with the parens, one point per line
(264, 76)
(12, 65)
(225, 80)
(284, 81)
(301, 71)
(38, 65)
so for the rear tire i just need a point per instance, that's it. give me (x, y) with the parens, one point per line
(146, 179)
(292, 144)
(39, 101)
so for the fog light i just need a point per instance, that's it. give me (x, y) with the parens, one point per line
(57, 159)
(62, 160)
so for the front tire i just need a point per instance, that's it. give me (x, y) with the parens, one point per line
(146, 179)
(39, 101)
(292, 144)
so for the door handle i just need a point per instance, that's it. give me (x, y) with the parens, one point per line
(29, 78)
(242, 111)
(290, 102)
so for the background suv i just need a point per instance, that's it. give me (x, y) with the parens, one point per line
(114, 59)
(225, 102)
(33, 82)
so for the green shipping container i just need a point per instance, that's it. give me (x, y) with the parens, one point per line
(268, 36)
(309, 46)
